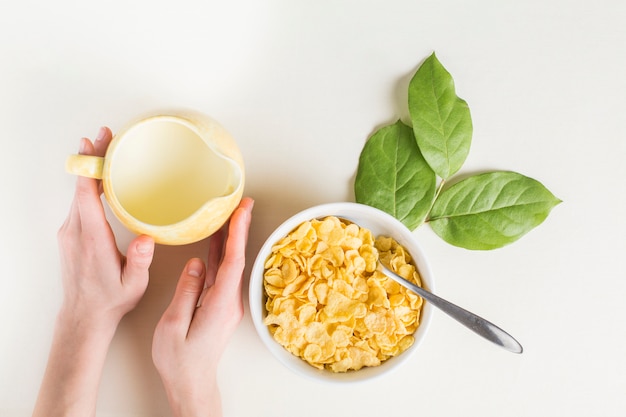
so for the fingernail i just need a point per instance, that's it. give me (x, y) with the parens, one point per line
(195, 268)
(145, 247)
(247, 211)
(101, 133)
(82, 146)
(244, 215)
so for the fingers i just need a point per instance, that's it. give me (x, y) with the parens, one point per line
(187, 294)
(225, 292)
(90, 212)
(101, 145)
(216, 247)
(138, 259)
(230, 272)
(102, 141)
(73, 222)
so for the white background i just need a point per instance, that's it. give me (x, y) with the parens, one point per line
(301, 85)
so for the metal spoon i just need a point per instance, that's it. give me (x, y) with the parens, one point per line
(475, 323)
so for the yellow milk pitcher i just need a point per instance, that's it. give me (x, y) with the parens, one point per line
(176, 177)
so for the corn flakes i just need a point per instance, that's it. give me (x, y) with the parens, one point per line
(328, 304)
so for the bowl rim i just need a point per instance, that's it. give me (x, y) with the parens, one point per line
(256, 296)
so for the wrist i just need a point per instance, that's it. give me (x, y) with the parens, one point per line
(196, 401)
(87, 321)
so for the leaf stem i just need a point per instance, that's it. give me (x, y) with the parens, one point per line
(437, 192)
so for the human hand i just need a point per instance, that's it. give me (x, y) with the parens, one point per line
(100, 286)
(205, 310)
(99, 282)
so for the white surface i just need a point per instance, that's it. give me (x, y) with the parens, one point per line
(301, 85)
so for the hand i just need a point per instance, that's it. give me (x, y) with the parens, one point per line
(100, 287)
(99, 282)
(204, 312)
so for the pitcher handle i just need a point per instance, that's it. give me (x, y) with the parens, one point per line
(85, 165)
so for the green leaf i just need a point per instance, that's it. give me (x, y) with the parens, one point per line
(491, 210)
(394, 177)
(441, 120)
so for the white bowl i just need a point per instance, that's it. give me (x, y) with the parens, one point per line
(380, 223)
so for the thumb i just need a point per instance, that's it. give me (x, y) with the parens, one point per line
(138, 259)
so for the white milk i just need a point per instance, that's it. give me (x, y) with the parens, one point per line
(164, 172)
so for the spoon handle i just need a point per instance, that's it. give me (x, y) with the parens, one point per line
(475, 323)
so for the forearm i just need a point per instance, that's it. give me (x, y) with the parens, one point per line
(77, 356)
